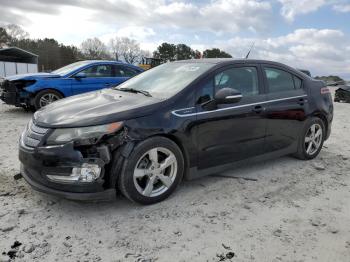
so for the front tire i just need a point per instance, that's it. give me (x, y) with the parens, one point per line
(152, 171)
(311, 139)
(45, 97)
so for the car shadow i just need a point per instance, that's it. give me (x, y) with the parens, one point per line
(11, 110)
(254, 173)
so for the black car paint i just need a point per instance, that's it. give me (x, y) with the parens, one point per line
(255, 128)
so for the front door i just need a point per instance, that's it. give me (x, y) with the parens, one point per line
(96, 77)
(230, 132)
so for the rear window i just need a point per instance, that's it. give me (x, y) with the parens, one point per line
(280, 80)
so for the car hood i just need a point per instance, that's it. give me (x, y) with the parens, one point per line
(95, 108)
(33, 76)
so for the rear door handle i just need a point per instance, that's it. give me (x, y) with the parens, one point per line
(301, 101)
(258, 109)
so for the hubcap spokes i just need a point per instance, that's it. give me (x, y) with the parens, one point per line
(155, 172)
(313, 139)
(48, 99)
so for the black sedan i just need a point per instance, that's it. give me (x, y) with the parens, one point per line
(184, 119)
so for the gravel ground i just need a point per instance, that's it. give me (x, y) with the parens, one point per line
(295, 211)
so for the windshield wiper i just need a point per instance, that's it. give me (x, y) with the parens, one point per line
(132, 90)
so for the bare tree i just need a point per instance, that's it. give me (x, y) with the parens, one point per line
(4, 38)
(126, 49)
(93, 48)
(16, 32)
(146, 53)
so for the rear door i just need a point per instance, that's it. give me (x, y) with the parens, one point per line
(122, 73)
(285, 108)
(230, 132)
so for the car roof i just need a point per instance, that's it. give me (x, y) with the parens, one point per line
(90, 62)
(224, 61)
(229, 60)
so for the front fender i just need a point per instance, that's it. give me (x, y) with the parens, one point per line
(60, 85)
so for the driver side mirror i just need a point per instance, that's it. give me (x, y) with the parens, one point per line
(227, 96)
(80, 75)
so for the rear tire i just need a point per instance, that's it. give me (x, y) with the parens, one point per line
(46, 97)
(311, 139)
(152, 171)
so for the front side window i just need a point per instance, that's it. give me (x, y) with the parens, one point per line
(98, 71)
(280, 80)
(243, 79)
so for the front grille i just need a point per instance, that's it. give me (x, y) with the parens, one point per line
(33, 135)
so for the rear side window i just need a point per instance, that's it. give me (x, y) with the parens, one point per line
(280, 80)
(124, 71)
(297, 82)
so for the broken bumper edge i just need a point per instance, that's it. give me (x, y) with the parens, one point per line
(108, 194)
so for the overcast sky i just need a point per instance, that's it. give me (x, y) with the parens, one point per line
(311, 34)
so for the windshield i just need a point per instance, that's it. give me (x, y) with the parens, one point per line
(166, 80)
(69, 68)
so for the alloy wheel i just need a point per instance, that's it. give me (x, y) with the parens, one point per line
(48, 99)
(155, 172)
(313, 139)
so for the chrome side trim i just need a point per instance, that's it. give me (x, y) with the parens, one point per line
(231, 97)
(178, 111)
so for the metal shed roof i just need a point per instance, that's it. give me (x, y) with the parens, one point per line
(15, 54)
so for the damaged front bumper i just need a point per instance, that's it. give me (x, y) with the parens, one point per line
(60, 170)
(13, 94)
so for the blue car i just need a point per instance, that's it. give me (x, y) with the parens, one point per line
(40, 89)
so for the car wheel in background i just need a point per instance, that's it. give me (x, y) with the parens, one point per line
(311, 140)
(152, 171)
(45, 97)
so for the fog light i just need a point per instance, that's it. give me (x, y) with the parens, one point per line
(86, 173)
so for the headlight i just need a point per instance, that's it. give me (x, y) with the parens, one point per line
(90, 133)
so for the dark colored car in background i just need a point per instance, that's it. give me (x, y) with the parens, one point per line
(40, 89)
(342, 94)
(184, 119)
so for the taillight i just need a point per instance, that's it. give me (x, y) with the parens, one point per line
(325, 90)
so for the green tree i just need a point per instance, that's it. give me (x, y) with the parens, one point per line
(171, 52)
(184, 52)
(331, 79)
(52, 55)
(215, 53)
(166, 52)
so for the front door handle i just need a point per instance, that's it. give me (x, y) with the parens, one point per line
(108, 84)
(258, 109)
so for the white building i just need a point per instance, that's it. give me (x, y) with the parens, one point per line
(14, 61)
